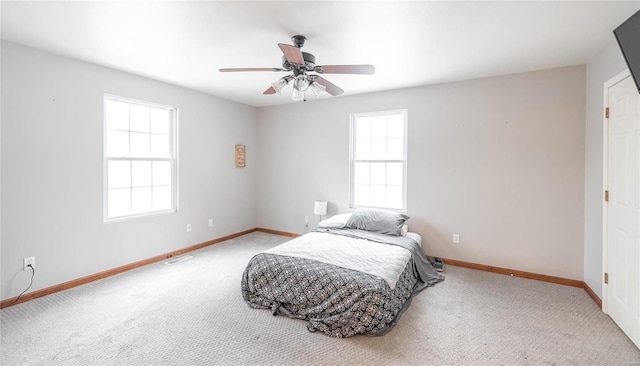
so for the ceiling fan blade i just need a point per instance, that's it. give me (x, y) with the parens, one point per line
(330, 87)
(240, 69)
(292, 54)
(271, 90)
(345, 69)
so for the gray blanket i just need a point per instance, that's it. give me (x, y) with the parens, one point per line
(337, 301)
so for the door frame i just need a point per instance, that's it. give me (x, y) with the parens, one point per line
(605, 185)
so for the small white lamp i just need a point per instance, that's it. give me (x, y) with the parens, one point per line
(320, 208)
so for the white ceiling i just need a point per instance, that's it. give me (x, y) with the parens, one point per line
(410, 43)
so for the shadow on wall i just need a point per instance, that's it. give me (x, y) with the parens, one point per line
(431, 237)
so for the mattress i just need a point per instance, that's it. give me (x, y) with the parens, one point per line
(343, 282)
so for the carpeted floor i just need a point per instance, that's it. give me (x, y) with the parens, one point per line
(192, 313)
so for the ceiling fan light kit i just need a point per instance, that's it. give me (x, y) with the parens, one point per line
(301, 65)
(316, 88)
(297, 94)
(281, 84)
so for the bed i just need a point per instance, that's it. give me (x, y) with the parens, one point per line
(355, 274)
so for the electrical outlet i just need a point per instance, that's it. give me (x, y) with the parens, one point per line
(306, 220)
(210, 222)
(28, 261)
(456, 238)
(188, 228)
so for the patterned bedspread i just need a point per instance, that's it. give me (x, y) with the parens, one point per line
(337, 301)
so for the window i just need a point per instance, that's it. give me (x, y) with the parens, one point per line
(140, 165)
(378, 159)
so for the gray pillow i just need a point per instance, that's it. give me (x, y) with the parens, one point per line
(376, 220)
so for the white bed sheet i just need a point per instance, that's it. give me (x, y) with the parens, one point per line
(381, 260)
(415, 236)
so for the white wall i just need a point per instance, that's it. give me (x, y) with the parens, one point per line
(52, 177)
(499, 161)
(607, 64)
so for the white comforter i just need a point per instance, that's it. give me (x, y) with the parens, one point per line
(380, 260)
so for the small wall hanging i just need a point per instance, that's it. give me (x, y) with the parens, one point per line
(240, 162)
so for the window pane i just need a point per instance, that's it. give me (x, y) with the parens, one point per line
(363, 149)
(160, 121)
(378, 173)
(395, 149)
(140, 200)
(161, 173)
(139, 118)
(361, 195)
(119, 202)
(395, 125)
(161, 198)
(379, 149)
(117, 115)
(394, 197)
(363, 127)
(139, 144)
(141, 173)
(378, 127)
(378, 196)
(394, 174)
(117, 143)
(361, 173)
(119, 174)
(160, 146)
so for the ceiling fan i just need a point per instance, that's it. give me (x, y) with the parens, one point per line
(304, 72)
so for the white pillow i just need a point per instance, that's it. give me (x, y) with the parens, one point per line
(335, 222)
(404, 230)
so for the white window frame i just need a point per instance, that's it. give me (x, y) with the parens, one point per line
(353, 161)
(173, 159)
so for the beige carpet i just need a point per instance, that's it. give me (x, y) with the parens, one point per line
(192, 313)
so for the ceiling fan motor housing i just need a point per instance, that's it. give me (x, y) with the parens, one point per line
(309, 64)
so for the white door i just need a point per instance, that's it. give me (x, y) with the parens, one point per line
(623, 208)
